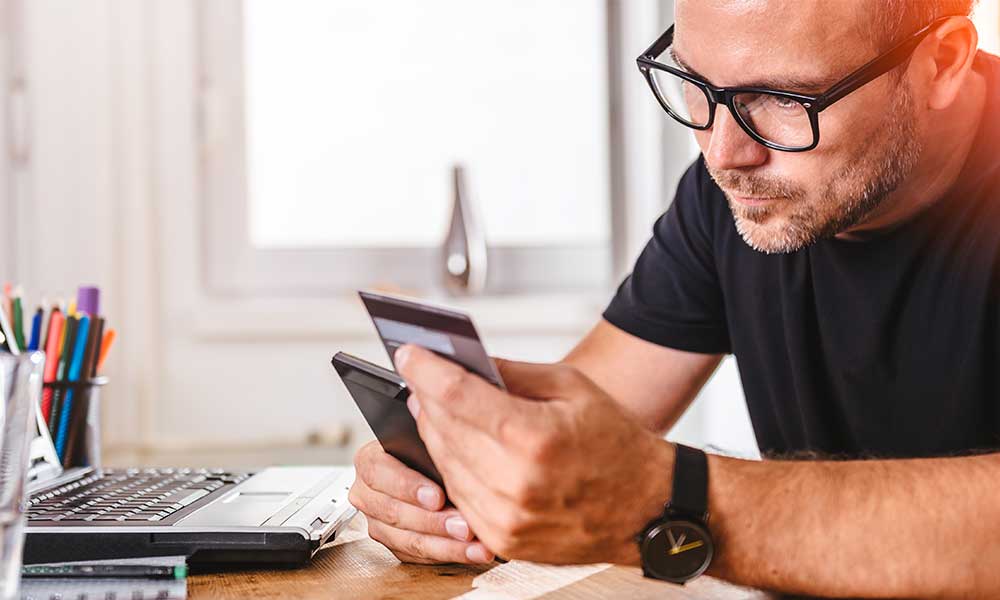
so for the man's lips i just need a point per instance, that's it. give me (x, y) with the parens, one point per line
(753, 200)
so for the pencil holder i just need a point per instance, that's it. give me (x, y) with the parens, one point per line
(72, 410)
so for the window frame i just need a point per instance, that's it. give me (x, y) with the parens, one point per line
(6, 189)
(233, 266)
(13, 140)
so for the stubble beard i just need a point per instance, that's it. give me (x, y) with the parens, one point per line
(846, 199)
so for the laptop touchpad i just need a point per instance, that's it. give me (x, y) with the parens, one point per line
(256, 500)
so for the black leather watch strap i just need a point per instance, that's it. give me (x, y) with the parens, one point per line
(690, 486)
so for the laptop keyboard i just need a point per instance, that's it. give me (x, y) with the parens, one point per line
(133, 495)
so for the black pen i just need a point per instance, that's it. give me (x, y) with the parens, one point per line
(106, 571)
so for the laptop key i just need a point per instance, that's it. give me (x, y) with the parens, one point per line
(190, 498)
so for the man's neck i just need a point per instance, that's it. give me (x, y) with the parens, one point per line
(950, 135)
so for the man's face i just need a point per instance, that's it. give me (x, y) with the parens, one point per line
(869, 141)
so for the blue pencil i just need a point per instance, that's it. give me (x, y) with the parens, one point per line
(75, 368)
(36, 331)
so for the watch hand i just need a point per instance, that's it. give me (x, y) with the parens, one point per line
(682, 538)
(673, 542)
(685, 548)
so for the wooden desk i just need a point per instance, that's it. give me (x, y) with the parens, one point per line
(355, 566)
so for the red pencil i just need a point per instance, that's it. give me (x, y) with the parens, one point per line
(51, 360)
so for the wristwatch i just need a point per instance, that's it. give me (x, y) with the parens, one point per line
(677, 546)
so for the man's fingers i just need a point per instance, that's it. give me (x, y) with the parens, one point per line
(427, 548)
(538, 381)
(446, 388)
(475, 482)
(388, 510)
(431, 376)
(384, 473)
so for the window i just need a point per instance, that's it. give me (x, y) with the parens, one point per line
(987, 19)
(327, 157)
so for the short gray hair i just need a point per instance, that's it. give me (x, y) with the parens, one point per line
(892, 20)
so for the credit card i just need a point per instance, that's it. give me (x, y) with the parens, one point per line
(447, 332)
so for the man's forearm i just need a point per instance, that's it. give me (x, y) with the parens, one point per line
(894, 528)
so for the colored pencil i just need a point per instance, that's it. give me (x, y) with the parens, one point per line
(8, 333)
(18, 310)
(73, 375)
(65, 354)
(56, 322)
(36, 330)
(109, 338)
(81, 403)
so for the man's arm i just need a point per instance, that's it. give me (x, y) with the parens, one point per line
(555, 471)
(881, 528)
(863, 528)
(654, 383)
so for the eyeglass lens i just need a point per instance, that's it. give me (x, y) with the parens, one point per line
(777, 119)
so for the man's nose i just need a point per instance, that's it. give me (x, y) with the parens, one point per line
(729, 146)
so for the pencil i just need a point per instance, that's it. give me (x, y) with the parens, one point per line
(65, 355)
(19, 321)
(51, 359)
(81, 406)
(8, 333)
(36, 330)
(8, 304)
(109, 338)
(75, 367)
(105, 571)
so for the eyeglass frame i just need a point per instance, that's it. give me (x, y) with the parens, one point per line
(813, 105)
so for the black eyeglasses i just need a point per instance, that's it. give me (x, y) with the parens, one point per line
(781, 120)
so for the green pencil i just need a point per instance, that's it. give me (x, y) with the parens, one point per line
(18, 322)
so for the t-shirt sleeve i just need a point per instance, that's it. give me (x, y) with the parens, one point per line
(673, 297)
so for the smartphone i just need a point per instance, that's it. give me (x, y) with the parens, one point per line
(446, 332)
(381, 395)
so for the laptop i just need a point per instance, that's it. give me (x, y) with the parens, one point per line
(276, 515)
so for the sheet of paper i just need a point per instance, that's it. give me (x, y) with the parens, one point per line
(521, 580)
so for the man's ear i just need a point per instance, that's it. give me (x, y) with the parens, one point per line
(947, 56)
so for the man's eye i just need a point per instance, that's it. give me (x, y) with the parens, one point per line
(784, 103)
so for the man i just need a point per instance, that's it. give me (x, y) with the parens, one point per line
(846, 249)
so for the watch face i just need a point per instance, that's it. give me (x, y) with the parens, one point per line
(677, 550)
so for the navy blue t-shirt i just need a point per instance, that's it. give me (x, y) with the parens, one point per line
(886, 347)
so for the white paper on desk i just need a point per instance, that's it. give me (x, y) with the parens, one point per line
(522, 580)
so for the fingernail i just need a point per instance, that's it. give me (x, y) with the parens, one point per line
(457, 528)
(414, 405)
(477, 553)
(401, 355)
(428, 496)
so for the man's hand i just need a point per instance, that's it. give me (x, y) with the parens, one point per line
(552, 471)
(406, 512)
